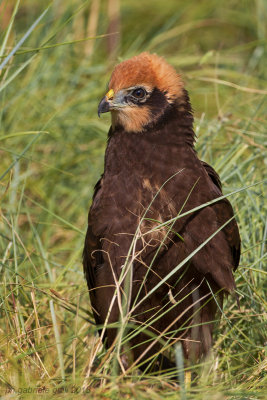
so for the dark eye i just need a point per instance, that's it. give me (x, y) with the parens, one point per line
(139, 93)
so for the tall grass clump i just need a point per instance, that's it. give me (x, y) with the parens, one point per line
(55, 61)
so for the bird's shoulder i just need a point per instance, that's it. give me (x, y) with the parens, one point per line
(212, 174)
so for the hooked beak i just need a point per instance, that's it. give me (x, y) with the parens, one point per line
(104, 105)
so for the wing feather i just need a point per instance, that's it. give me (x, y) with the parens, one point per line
(224, 211)
(92, 256)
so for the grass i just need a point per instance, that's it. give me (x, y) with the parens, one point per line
(52, 145)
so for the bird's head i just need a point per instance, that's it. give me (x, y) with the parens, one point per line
(141, 89)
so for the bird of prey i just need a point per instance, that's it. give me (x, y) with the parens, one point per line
(155, 219)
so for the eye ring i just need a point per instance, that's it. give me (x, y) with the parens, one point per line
(139, 93)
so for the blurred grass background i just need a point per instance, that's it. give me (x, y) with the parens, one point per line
(52, 145)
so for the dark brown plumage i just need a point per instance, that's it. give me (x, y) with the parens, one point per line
(150, 161)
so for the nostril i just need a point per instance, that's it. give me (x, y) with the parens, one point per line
(110, 94)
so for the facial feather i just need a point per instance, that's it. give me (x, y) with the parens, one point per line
(147, 69)
(162, 84)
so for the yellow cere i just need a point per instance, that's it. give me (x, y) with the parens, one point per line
(110, 94)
